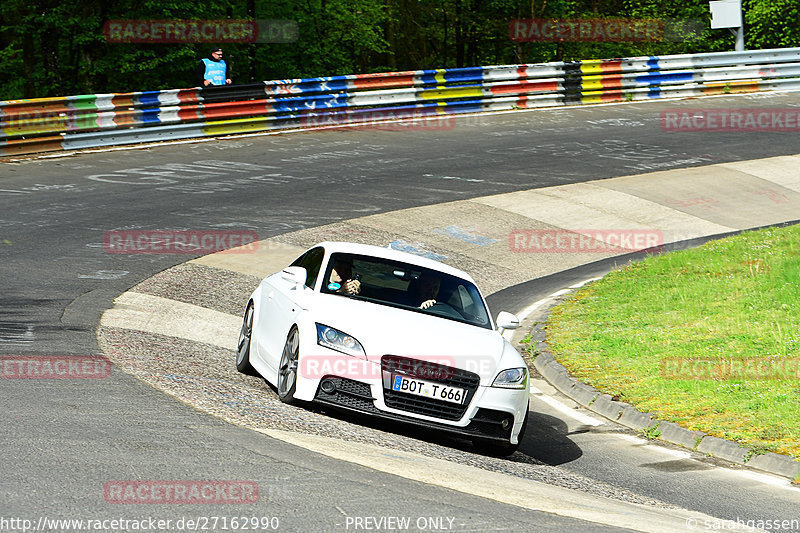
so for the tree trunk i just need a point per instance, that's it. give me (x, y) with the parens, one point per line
(28, 64)
(459, 36)
(251, 48)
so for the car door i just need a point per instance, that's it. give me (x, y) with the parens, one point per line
(282, 303)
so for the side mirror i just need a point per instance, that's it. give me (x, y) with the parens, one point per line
(506, 320)
(294, 275)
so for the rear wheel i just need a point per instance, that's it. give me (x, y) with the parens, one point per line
(287, 370)
(243, 348)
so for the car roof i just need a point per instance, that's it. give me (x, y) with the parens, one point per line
(390, 253)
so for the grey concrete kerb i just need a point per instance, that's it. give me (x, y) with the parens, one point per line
(630, 417)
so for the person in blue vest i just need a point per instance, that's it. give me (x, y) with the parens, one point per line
(213, 70)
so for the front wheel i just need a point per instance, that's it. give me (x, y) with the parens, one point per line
(243, 347)
(287, 369)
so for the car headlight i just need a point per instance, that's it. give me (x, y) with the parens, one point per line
(513, 378)
(339, 341)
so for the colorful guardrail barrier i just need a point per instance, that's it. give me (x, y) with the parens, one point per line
(87, 121)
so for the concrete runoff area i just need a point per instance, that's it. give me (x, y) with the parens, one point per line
(477, 236)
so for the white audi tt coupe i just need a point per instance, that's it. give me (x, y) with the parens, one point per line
(388, 334)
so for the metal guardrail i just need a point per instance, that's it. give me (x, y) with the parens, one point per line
(77, 122)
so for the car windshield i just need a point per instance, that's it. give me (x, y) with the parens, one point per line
(406, 286)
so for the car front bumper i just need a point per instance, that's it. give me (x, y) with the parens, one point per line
(491, 417)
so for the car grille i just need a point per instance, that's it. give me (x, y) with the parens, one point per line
(429, 371)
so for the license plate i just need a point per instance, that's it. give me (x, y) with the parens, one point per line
(420, 387)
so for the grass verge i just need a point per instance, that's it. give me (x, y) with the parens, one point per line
(708, 338)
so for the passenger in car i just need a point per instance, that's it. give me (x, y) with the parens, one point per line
(342, 280)
(424, 291)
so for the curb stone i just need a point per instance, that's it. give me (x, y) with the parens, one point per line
(772, 462)
(724, 449)
(583, 394)
(628, 416)
(558, 377)
(637, 420)
(674, 434)
(544, 357)
(609, 408)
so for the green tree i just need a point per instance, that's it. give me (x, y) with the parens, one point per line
(771, 23)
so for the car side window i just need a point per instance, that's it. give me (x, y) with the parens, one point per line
(312, 262)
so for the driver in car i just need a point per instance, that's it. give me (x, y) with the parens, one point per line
(342, 279)
(425, 290)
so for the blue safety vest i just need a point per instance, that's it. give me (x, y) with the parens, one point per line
(215, 71)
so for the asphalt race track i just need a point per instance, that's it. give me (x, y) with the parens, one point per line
(64, 439)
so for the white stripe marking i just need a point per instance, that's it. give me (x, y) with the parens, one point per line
(644, 442)
(767, 479)
(531, 308)
(549, 400)
(584, 282)
(562, 408)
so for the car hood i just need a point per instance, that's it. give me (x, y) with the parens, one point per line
(383, 330)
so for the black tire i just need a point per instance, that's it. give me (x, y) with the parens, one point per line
(243, 347)
(287, 370)
(502, 449)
